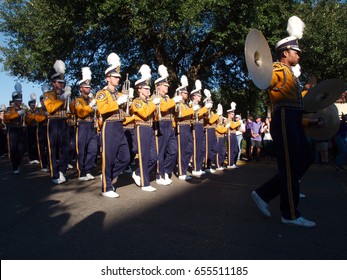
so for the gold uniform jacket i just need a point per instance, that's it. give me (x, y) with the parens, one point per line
(284, 90)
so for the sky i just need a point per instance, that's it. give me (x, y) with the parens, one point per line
(7, 85)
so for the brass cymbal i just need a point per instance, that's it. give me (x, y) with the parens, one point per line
(323, 94)
(258, 59)
(332, 123)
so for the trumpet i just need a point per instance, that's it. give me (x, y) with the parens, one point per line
(96, 124)
(196, 112)
(67, 104)
(156, 94)
(125, 90)
(25, 109)
(178, 106)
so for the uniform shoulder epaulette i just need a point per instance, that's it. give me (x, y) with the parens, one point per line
(101, 94)
(48, 94)
(137, 103)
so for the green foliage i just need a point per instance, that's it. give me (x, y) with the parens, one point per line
(203, 39)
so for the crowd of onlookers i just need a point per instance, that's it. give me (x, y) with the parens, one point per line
(257, 144)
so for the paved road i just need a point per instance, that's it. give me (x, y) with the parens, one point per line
(208, 218)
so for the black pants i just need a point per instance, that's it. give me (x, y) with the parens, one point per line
(294, 157)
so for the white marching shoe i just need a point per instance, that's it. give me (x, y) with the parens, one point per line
(301, 222)
(185, 177)
(110, 194)
(198, 173)
(148, 189)
(262, 205)
(162, 181)
(210, 170)
(167, 178)
(90, 176)
(137, 179)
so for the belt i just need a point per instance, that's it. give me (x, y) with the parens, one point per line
(293, 105)
(144, 123)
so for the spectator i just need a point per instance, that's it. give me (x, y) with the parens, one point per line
(256, 139)
(239, 134)
(267, 139)
(247, 136)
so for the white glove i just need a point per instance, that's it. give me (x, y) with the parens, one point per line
(227, 125)
(156, 100)
(196, 107)
(92, 103)
(67, 90)
(122, 99)
(177, 99)
(20, 112)
(208, 105)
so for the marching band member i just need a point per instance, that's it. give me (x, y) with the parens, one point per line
(31, 130)
(115, 151)
(56, 102)
(210, 123)
(41, 134)
(198, 129)
(292, 148)
(144, 140)
(167, 144)
(14, 119)
(221, 130)
(86, 146)
(231, 139)
(183, 118)
(129, 129)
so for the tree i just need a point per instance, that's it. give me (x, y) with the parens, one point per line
(203, 39)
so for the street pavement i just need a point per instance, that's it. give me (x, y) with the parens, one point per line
(208, 218)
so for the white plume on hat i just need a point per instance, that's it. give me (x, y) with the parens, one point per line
(295, 27)
(59, 66)
(220, 109)
(18, 87)
(145, 72)
(184, 81)
(296, 70)
(198, 85)
(86, 73)
(32, 96)
(2, 108)
(232, 107)
(45, 87)
(162, 71)
(113, 59)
